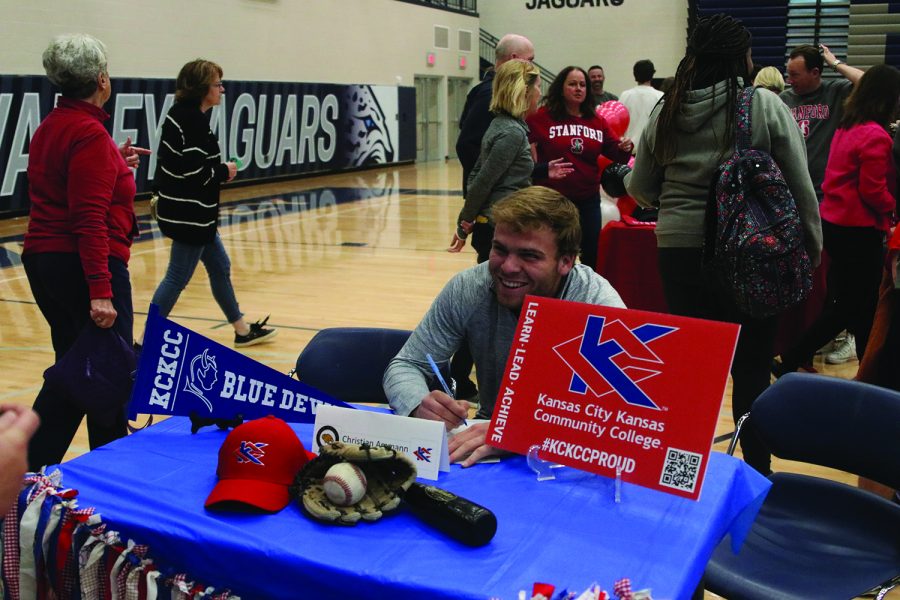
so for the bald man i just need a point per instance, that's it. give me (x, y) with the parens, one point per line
(475, 116)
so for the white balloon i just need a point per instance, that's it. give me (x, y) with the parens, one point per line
(609, 211)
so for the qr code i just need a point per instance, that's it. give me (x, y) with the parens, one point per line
(680, 469)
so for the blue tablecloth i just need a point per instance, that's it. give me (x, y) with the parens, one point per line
(151, 487)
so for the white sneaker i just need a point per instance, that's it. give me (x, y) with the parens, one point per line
(842, 352)
(833, 344)
(827, 348)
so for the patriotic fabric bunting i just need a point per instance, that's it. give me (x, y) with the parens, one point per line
(622, 589)
(51, 548)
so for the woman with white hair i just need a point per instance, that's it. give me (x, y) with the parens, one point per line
(80, 231)
(505, 163)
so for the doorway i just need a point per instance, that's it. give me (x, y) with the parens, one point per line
(428, 119)
(457, 88)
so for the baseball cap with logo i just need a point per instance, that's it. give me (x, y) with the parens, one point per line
(257, 462)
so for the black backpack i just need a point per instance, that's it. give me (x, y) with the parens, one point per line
(753, 236)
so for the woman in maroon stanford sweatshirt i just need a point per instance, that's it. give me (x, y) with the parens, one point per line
(80, 230)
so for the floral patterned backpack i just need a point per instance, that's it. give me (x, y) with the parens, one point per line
(753, 236)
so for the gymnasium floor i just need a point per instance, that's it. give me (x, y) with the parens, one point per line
(364, 248)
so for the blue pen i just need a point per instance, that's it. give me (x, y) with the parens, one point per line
(440, 377)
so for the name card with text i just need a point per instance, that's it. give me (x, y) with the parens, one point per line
(424, 441)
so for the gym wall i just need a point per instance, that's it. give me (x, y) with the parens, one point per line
(282, 59)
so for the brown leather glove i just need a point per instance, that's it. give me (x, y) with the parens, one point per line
(388, 474)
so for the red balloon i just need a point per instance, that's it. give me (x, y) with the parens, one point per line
(616, 116)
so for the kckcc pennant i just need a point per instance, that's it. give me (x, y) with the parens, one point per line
(181, 372)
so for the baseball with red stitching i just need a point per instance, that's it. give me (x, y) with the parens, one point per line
(344, 484)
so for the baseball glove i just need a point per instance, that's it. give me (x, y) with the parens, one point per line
(389, 474)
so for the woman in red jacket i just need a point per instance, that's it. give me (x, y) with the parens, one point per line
(566, 126)
(857, 209)
(80, 231)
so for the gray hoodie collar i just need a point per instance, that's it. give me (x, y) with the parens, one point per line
(701, 105)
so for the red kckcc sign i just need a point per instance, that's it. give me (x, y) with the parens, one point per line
(613, 390)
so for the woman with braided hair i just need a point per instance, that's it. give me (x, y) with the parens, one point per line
(689, 134)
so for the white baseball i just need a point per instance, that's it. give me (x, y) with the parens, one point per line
(344, 484)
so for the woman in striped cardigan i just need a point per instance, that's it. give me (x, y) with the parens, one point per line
(189, 175)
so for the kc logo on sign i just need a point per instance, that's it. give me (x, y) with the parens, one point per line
(423, 454)
(609, 357)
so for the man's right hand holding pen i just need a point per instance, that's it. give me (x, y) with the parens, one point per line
(439, 406)
(467, 447)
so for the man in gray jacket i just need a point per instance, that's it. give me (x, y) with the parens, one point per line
(536, 239)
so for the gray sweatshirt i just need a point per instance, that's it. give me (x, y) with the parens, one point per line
(467, 309)
(680, 188)
(504, 166)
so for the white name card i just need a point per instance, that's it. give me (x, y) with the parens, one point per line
(422, 440)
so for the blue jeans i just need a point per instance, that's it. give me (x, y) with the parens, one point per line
(182, 263)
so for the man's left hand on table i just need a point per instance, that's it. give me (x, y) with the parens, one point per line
(470, 445)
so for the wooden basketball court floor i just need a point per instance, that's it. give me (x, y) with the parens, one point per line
(365, 248)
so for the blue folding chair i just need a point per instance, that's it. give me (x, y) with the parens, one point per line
(349, 362)
(814, 537)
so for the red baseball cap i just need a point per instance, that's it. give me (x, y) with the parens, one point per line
(257, 462)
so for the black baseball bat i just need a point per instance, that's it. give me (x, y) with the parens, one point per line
(455, 516)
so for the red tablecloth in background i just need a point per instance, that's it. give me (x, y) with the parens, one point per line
(626, 256)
